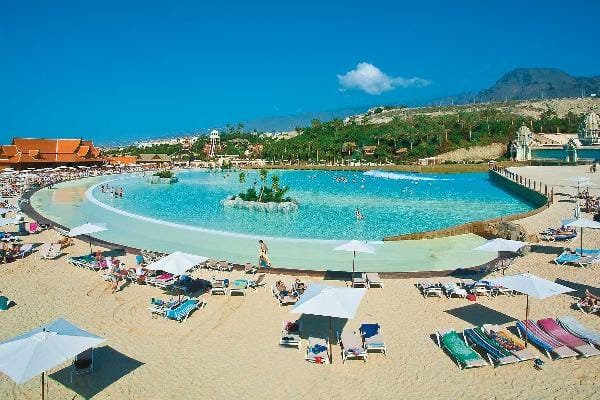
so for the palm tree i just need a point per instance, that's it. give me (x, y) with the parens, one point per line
(242, 178)
(275, 183)
(263, 178)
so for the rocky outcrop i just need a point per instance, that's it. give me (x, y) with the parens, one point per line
(283, 207)
(158, 180)
(475, 153)
(510, 230)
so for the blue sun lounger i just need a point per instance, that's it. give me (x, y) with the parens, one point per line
(567, 258)
(182, 312)
(494, 352)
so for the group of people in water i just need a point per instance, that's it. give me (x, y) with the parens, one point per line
(114, 192)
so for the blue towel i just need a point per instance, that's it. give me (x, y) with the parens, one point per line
(318, 348)
(369, 330)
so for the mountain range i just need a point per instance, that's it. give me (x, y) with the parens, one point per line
(518, 84)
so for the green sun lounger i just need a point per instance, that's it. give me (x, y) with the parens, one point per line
(464, 356)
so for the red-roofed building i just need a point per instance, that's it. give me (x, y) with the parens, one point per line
(37, 153)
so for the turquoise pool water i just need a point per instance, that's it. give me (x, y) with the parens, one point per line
(188, 217)
(391, 203)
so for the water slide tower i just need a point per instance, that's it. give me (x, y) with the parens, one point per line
(215, 140)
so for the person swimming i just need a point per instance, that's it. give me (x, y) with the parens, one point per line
(358, 215)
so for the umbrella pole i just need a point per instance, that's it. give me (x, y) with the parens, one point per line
(330, 336)
(581, 238)
(352, 277)
(526, 317)
(42, 386)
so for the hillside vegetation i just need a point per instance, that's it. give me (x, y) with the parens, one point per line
(397, 135)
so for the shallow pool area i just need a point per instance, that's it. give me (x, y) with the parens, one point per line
(188, 216)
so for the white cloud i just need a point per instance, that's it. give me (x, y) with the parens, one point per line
(369, 78)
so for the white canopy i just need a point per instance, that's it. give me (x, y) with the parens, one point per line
(177, 263)
(32, 353)
(584, 223)
(531, 285)
(87, 229)
(578, 179)
(329, 301)
(500, 244)
(356, 246)
(8, 221)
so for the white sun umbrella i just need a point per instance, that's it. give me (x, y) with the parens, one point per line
(583, 223)
(578, 180)
(530, 285)
(329, 301)
(8, 221)
(355, 246)
(87, 229)
(499, 245)
(177, 263)
(35, 352)
(577, 211)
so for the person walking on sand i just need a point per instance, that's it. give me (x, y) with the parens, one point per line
(263, 255)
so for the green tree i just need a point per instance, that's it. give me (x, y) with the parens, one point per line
(263, 178)
(242, 178)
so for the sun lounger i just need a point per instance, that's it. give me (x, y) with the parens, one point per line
(430, 289)
(541, 339)
(574, 326)
(505, 339)
(238, 286)
(317, 351)
(351, 346)
(553, 236)
(249, 268)
(496, 354)
(284, 299)
(224, 266)
(464, 355)
(373, 338)
(568, 258)
(52, 252)
(183, 311)
(358, 280)
(290, 334)
(212, 264)
(373, 280)
(158, 307)
(451, 289)
(259, 282)
(555, 330)
(24, 250)
(589, 304)
(480, 289)
(219, 286)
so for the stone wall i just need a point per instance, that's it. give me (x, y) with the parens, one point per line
(489, 152)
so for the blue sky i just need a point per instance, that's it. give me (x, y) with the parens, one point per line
(116, 70)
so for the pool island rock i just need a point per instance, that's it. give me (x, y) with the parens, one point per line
(282, 207)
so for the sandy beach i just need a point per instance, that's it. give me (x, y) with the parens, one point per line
(230, 348)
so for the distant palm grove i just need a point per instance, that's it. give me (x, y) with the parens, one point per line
(416, 133)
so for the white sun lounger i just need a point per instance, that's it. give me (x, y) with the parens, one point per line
(576, 328)
(351, 346)
(320, 356)
(373, 279)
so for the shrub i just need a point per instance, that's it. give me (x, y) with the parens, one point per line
(164, 174)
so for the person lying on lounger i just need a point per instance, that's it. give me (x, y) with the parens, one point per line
(299, 286)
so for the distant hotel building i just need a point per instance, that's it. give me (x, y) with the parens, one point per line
(39, 153)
